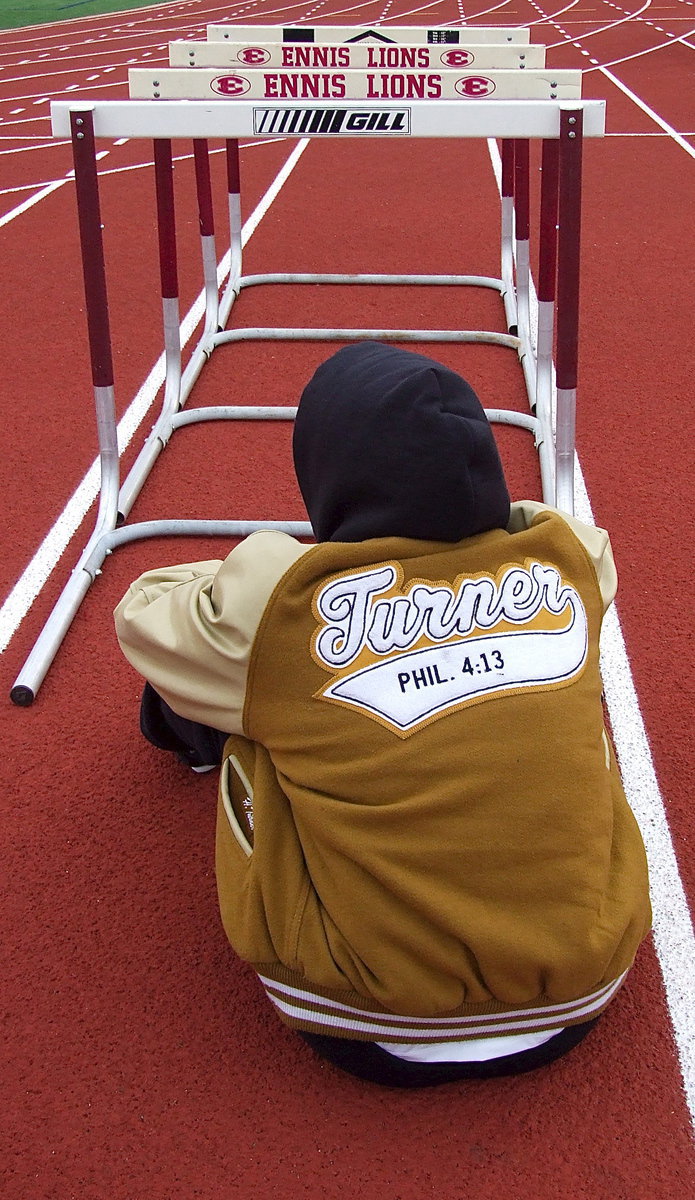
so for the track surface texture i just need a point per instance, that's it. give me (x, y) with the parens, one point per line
(141, 1061)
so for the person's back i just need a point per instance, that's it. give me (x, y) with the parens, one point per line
(424, 847)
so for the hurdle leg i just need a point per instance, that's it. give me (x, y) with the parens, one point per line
(97, 306)
(46, 646)
(207, 235)
(166, 226)
(568, 251)
(547, 273)
(235, 248)
(521, 229)
(523, 265)
(168, 270)
(507, 235)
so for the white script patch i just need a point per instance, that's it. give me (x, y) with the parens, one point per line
(408, 657)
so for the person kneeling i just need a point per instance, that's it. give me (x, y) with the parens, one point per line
(423, 843)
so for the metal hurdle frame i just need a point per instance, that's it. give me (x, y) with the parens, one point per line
(561, 125)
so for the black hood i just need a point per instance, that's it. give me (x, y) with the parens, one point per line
(393, 444)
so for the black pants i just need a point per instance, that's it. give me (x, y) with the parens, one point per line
(368, 1061)
(197, 745)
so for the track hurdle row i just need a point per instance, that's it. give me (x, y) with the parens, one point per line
(560, 125)
(276, 62)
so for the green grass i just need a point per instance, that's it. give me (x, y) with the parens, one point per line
(16, 13)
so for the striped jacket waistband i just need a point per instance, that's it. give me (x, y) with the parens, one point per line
(306, 1009)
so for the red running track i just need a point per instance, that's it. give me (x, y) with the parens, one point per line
(141, 1059)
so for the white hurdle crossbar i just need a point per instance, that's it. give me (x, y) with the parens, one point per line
(433, 35)
(259, 83)
(361, 56)
(561, 125)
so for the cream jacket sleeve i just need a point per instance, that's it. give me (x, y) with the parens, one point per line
(595, 541)
(189, 629)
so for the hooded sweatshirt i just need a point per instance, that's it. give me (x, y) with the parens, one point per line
(422, 833)
(390, 443)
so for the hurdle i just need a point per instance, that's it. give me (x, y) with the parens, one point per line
(433, 35)
(259, 83)
(559, 124)
(364, 55)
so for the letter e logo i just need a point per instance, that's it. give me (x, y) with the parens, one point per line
(230, 85)
(457, 58)
(474, 86)
(254, 56)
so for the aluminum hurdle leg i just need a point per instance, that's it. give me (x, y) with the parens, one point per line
(507, 234)
(544, 406)
(216, 311)
(94, 272)
(522, 225)
(217, 307)
(547, 274)
(168, 270)
(234, 207)
(207, 236)
(568, 251)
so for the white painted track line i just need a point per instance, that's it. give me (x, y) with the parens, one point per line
(51, 184)
(678, 139)
(31, 201)
(674, 937)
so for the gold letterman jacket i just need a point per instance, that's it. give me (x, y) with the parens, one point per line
(422, 832)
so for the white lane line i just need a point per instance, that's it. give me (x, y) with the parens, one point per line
(22, 40)
(651, 134)
(32, 200)
(615, 62)
(72, 70)
(678, 139)
(27, 187)
(45, 559)
(545, 17)
(72, 87)
(172, 24)
(629, 16)
(674, 937)
(141, 166)
(23, 149)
